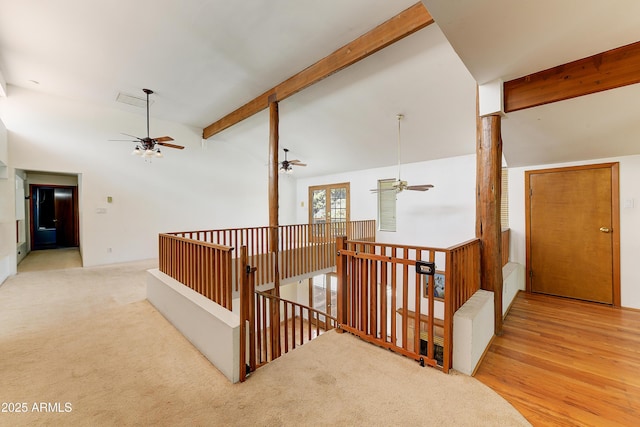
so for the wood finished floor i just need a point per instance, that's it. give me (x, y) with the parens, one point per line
(567, 363)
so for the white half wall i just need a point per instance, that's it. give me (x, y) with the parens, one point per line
(472, 331)
(211, 328)
(512, 283)
(629, 221)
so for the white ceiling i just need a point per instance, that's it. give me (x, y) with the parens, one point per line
(206, 58)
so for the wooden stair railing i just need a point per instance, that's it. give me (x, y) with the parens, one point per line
(303, 248)
(204, 267)
(298, 324)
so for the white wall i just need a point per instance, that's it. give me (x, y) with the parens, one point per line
(51, 179)
(7, 211)
(629, 221)
(440, 217)
(218, 184)
(22, 219)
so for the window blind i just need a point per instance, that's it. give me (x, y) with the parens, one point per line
(504, 199)
(386, 205)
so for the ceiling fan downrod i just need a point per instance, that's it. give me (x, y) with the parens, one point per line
(400, 117)
(148, 92)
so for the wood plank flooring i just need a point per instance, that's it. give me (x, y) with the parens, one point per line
(562, 362)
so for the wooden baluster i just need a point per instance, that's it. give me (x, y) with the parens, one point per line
(373, 304)
(252, 301)
(308, 323)
(405, 302)
(383, 301)
(286, 327)
(341, 269)
(258, 317)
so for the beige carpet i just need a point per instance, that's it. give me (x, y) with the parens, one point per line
(85, 341)
(51, 259)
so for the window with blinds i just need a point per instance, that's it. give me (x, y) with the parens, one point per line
(504, 200)
(386, 205)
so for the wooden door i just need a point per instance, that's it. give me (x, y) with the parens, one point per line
(65, 217)
(328, 204)
(573, 232)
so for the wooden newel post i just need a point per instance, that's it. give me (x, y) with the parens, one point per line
(488, 227)
(341, 271)
(244, 312)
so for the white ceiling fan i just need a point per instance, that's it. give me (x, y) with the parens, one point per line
(399, 185)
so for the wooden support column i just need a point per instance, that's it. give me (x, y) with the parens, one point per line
(488, 194)
(274, 120)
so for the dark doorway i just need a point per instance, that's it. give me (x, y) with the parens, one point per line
(54, 217)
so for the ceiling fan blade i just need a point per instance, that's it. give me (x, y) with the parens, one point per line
(164, 144)
(298, 164)
(163, 139)
(132, 136)
(384, 190)
(423, 187)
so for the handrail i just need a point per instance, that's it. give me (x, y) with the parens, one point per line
(200, 243)
(298, 324)
(297, 304)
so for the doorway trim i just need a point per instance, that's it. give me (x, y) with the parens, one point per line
(615, 219)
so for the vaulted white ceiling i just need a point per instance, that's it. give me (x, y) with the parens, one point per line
(204, 58)
(506, 39)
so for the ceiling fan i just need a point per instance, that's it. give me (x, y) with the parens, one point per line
(147, 147)
(286, 166)
(399, 185)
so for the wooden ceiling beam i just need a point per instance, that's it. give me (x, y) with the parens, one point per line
(603, 71)
(402, 25)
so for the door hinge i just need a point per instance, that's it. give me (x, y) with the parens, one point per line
(531, 273)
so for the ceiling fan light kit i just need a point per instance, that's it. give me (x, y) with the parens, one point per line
(399, 185)
(286, 166)
(148, 147)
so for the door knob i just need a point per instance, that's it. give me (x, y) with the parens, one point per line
(605, 230)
